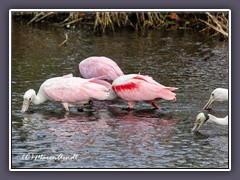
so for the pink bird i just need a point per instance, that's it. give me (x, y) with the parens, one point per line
(69, 91)
(99, 67)
(135, 87)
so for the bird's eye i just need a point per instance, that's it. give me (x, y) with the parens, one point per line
(212, 94)
(30, 99)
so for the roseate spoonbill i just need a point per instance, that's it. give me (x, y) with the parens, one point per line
(219, 94)
(136, 87)
(202, 118)
(99, 67)
(69, 91)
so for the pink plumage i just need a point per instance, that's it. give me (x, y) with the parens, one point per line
(135, 87)
(70, 91)
(99, 67)
(74, 90)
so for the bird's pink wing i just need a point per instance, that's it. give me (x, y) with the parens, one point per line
(95, 91)
(100, 67)
(74, 90)
(143, 88)
(101, 82)
(157, 90)
(130, 90)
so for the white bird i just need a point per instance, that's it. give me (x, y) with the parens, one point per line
(219, 94)
(202, 118)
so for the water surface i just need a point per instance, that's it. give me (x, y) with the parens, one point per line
(108, 135)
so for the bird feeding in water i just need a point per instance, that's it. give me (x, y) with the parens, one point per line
(69, 91)
(219, 94)
(202, 118)
(136, 87)
(99, 67)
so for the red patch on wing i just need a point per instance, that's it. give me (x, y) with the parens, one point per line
(124, 87)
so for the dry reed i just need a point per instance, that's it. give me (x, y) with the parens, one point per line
(109, 21)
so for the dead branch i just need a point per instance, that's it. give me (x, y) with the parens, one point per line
(65, 41)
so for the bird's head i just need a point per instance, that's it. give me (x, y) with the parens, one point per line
(200, 120)
(27, 99)
(220, 94)
(217, 95)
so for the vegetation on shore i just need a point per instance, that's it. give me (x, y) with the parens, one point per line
(216, 23)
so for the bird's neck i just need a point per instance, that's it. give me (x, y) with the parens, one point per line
(221, 121)
(39, 98)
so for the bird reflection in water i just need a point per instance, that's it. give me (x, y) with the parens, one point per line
(136, 130)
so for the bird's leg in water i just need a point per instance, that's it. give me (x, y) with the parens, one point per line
(154, 105)
(131, 105)
(87, 105)
(65, 105)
